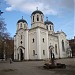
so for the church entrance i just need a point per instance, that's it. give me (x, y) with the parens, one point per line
(21, 55)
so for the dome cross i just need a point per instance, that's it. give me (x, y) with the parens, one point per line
(47, 18)
(37, 8)
(22, 17)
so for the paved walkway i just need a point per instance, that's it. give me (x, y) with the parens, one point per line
(35, 68)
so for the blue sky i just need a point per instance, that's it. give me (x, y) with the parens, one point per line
(60, 12)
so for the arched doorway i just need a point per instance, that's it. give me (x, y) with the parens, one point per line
(21, 54)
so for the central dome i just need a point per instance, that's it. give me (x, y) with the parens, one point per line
(37, 11)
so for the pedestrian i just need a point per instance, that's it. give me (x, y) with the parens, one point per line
(10, 60)
(53, 58)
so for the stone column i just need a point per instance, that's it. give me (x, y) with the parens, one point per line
(16, 46)
(38, 43)
(26, 46)
(47, 44)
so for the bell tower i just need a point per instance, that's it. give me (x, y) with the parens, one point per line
(37, 19)
(49, 26)
(22, 24)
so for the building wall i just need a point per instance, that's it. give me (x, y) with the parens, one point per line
(26, 45)
(21, 42)
(44, 44)
(68, 49)
(32, 45)
(53, 40)
(37, 23)
(72, 46)
(38, 45)
(62, 36)
(38, 34)
(35, 42)
(24, 26)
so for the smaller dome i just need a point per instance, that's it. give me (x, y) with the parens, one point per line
(37, 11)
(48, 22)
(21, 20)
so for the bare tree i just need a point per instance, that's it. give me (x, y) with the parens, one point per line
(6, 43)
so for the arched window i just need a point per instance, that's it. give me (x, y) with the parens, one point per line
(21, 36)
(41, 18)
(21, 25)
(56, 48)
(24, 25)
(37, 17)
(43, 52)
(50, 27)
(63, 46)
(43, 39)
(21, 42)
(47, 27)
(33, 40)
(33, 52)
(33, 18)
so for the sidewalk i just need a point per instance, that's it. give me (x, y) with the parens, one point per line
(35, 68)
(68, 61)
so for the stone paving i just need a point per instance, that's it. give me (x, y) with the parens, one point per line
(35, 68)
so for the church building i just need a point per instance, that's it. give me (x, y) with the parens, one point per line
(36, 43)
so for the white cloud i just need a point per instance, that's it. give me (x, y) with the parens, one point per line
(47, 6)
(30, 6)
(10, 8)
